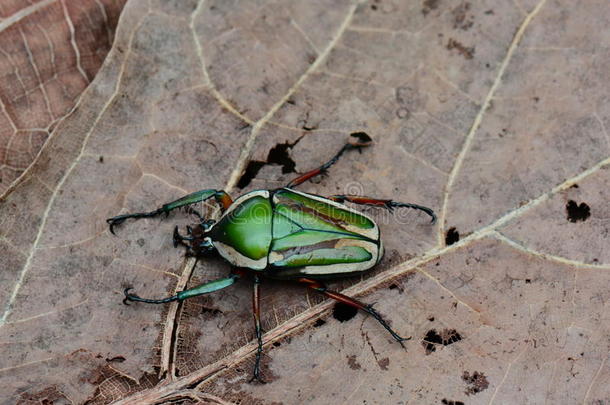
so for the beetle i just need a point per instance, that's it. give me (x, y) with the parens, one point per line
(283, 234)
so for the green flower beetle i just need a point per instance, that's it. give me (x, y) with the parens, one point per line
(283, 234)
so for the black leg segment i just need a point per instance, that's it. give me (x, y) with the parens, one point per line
(256, 311)
(361, 140)
(368, 308)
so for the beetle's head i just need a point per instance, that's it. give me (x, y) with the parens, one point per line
(200, 240)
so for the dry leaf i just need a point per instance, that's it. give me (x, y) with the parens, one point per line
(495, 114)
(51, 50)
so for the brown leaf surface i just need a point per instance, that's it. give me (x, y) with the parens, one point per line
(493, 113)
(51, 50)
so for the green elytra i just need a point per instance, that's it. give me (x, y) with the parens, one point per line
(283, 234)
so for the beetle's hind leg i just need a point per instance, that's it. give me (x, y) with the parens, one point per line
(389, 204)
(221, 197)
(361, 140)
(368, 308)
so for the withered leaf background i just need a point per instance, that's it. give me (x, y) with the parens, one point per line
(494, 113)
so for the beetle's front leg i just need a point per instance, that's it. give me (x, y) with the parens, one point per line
(368, 308)
(193, 292)
(256, 309)
(221, 197)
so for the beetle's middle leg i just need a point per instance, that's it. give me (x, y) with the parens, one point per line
(376, 202)
(362, 141)
(256, 311)
(221, 197)
(368, 308)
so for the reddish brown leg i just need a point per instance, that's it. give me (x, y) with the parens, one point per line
(368, 308)
(361, 140)
(389, 204)
(256, 310)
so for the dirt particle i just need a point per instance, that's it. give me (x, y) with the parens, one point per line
(452, 236)
(384, 363)
(465, 51)
(577, 212)
(116, 359)
(461, 18)
(318, 323)
(353, 363)
(477, 382)
(343, 312)
(429, 5)
(445, 338)
(101, 159)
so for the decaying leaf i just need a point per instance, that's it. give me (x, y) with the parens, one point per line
(495, 114)
(51, 50)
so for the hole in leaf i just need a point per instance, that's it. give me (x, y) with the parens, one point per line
(318, 323)
(452, 236)
(450, 402)
(445, 338)
(577, 212)
(251, 171)
(279, 155)
(276, 344)
(343, 312)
